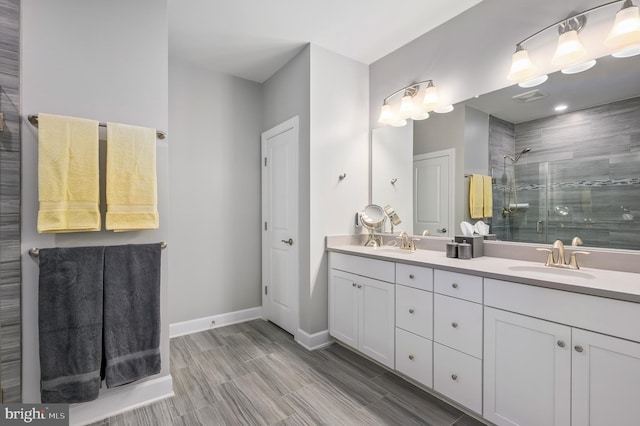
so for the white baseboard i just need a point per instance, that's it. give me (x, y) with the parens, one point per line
(313, 341)
(214, 321)
(118, 400)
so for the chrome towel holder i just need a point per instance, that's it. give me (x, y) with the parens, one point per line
(35, 252)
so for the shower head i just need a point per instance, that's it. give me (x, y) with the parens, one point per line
(515, 160)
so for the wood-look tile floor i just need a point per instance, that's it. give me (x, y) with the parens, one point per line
(255, 374)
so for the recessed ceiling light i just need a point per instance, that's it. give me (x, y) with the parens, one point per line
(560, 107)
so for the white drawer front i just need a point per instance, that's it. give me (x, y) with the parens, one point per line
(414, 276)
(463, 286)
(377, 269)
(414, 311)
(458, 324)
(614, 317)
(414, 357)
(458, 376)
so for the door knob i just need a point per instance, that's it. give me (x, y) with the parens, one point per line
(289, 241)
(443, 230)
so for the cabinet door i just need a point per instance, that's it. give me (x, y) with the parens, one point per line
(343, 307)
(377, 320)
(606, 380)
(527, 370)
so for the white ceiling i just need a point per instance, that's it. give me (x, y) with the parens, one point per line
(252, 39)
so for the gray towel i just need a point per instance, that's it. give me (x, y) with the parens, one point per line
(131, 312)
(70, 323)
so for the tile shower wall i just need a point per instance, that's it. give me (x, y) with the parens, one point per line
(10, 334)
(582, 176)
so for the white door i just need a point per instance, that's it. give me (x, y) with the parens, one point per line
(343, 307)
(377, 320)
(606, 380)
(433, 193)
(527, 370)
(280, 249)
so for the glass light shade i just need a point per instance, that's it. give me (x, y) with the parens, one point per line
(386, 115)
(407, 107)
(534, 81)
(521, 66)
(575, 69)
(443, 109)
(399, 123)
(430, 100)
(569, 51)
(420, 115)
(625, 33)
(625, 53)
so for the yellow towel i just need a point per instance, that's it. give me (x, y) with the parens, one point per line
(487, 196)
(132, 194)
(68, 174)
(476, 196)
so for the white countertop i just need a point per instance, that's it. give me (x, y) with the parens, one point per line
(597, 282)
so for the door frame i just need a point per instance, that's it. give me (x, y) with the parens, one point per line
(451, 154)
(292, 123)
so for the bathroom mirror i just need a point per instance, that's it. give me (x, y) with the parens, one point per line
(580, 175)
(373, 218)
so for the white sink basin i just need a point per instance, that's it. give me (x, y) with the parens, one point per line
(551, 271)
(391, 250)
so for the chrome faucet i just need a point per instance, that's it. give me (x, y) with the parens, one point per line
(560, 261)
(407, 243)
(577, 241)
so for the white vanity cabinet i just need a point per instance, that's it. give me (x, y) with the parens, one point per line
(457, 335)
(414, 322)
(362, 305)
(542, 367)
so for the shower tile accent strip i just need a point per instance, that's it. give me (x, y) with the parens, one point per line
(10, 275)
(591, 159)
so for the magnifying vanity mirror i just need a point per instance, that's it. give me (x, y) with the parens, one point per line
(373, 218)
(573, 172)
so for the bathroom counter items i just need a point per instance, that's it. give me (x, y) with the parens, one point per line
(596, 282)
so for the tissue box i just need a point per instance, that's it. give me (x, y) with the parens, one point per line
(477, 244)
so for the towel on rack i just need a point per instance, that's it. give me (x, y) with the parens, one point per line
(480, 196)
(131, 312)
(132, 194)
(70, 323)
(68, 176)
(487, 196)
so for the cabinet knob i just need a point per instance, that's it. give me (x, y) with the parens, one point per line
(411, 311)
(454, 377)
(454, 285)
(578, 348)
(411, 357)
(353, 284)
(454, 324)
(411, 276)
(359, 285)
(561, 343)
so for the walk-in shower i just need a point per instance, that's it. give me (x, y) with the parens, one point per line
(510, 190)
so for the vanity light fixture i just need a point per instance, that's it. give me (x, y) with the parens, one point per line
(571, 56)
(418, 99)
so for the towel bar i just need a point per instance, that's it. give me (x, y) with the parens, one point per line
(33, 119)
(35, 252)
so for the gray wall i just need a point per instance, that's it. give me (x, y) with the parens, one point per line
(10, 321)
(215, 192)
(100, 60)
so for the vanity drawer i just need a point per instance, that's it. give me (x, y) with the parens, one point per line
(414, 357)
(458, 376)
(458, 324)
(377, 269)
(463, 286)
(414, 310)
(414, 276)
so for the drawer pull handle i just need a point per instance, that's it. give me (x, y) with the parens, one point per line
(454, 285)
(353, 284)
(411, 357)
(578, 348)
(454, 377)
(411, 276)
(561, 343)
(359, 285)
(411, 311)
(454, 324)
